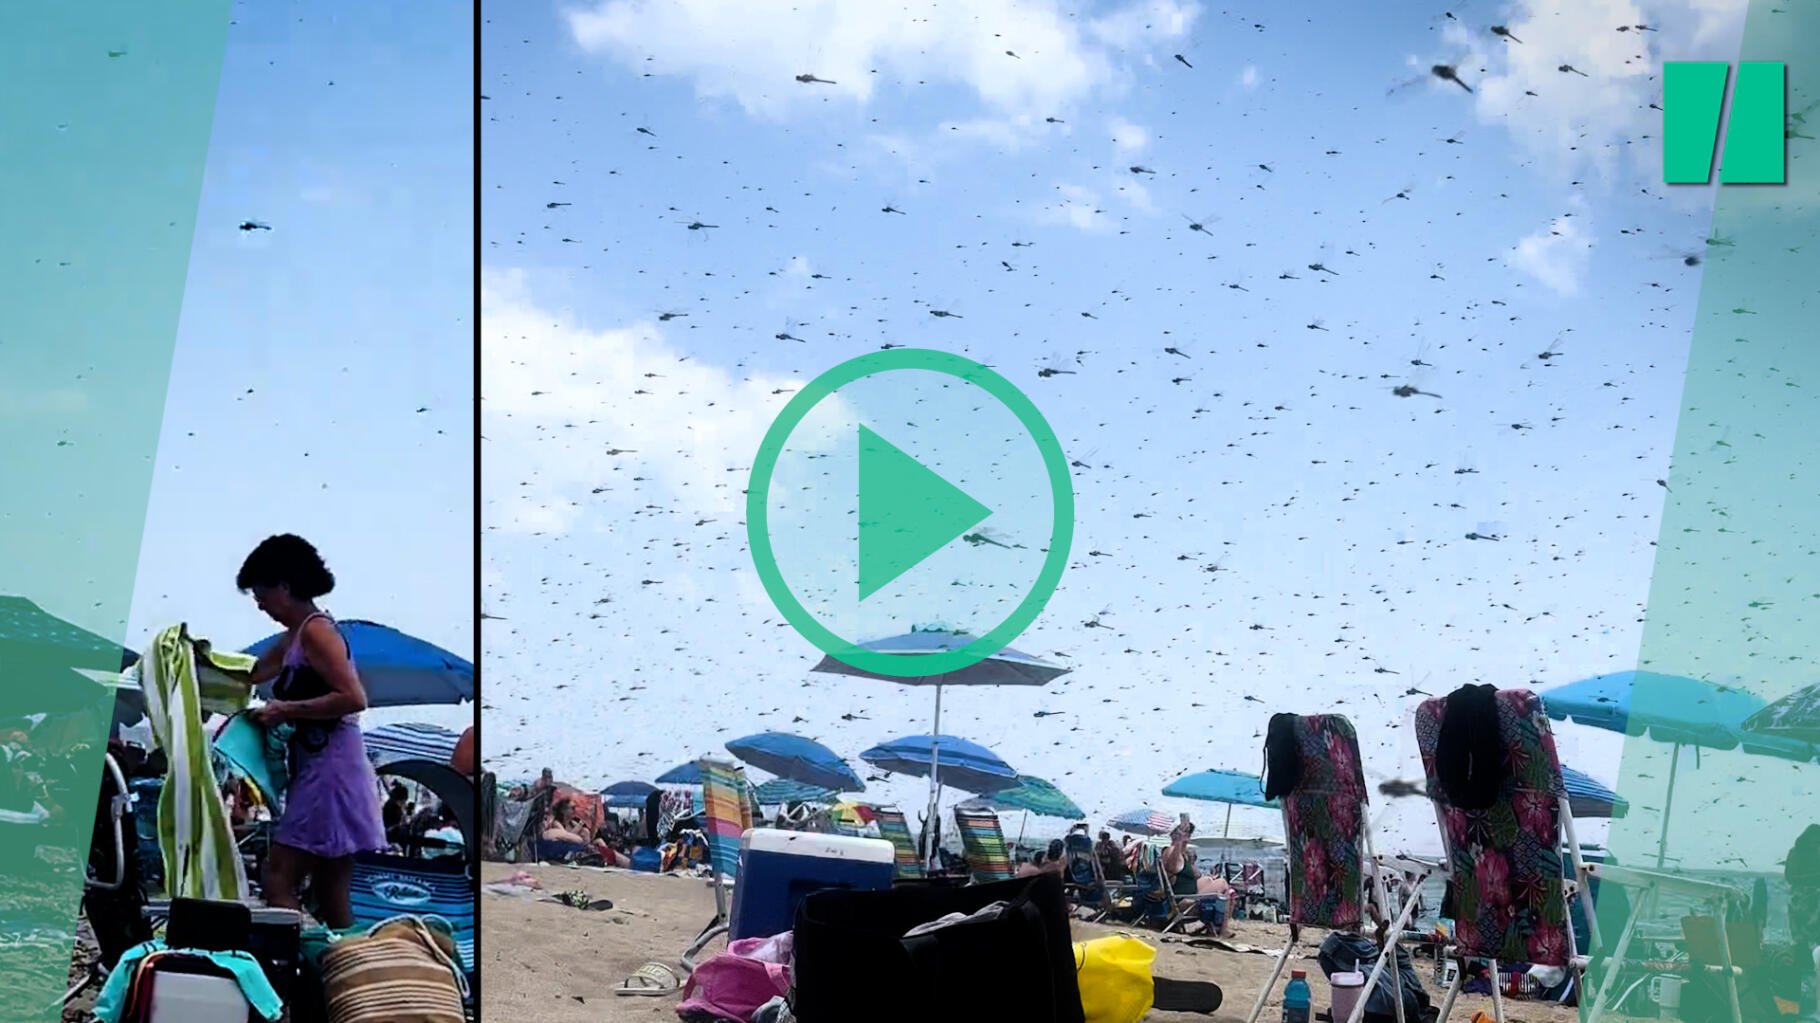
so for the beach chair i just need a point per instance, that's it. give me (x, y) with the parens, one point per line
(984, 844)
(1332, 870)
(893, 828)
(727, 816)
(1503, 863)
(383, 886)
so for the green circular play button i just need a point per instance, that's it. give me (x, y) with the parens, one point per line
(908, 487)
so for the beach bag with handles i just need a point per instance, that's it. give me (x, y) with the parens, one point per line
(1011, 959)
(400, 971)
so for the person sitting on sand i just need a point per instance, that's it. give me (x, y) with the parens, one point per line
(566, 829)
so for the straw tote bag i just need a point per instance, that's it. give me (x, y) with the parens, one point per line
(402, 971)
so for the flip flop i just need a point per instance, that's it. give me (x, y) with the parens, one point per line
(652, 980)
(1185, 996)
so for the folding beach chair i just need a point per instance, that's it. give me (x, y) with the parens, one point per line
(1503, 863)
(894, 829)
(727, 816)
(984, 845)
(1332, 871)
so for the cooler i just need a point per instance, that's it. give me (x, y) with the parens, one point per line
(777, 868)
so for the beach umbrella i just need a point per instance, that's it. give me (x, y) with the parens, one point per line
(1034, 795)
(778, 791)
(389, 744)
(1142, 821)
(1589, 799)
(1791, 724)
(955, 762)
(798, 759)
(1678, 710)
(854, 814)
(627, 793)
(681, 774)
(1008, 667)
(51, 666)
(1234, 788)
(397, 670)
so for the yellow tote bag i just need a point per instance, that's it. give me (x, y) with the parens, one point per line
(1114, 977)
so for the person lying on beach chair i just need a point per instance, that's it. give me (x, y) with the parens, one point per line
(564, 842)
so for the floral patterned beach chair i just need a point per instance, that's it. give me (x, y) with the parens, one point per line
(1328, 839)
(1506, 882)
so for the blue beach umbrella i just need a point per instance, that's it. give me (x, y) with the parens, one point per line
(1589, 798)
(1008, 667)
(1234, 788)
(798, 759)
(397, 670)
(681, 774)
(1791, 724)
(389, 744)
(958, 763)
(778, 791)
(627, 793)
(1675, 709)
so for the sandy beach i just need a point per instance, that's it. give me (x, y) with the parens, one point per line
(544, 961)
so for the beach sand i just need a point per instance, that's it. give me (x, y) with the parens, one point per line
(544, 961)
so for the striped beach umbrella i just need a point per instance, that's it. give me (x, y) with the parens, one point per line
(389, 744)
(1142, 821)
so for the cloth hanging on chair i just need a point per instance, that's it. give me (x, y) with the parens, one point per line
(1282, 757)
(1469, 753)
(201, 860)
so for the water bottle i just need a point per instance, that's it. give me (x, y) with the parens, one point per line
(1297, 998)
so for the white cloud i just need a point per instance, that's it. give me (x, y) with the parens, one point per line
(1599, 115)
(558, 395)
(1141, 23)
(1079, 208)
(751, 52)
(1557, 255)
(1130, 138)
(1248, 78)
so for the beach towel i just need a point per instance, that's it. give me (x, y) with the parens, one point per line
(201, 860)
(1469, 754)
(1323, 815)
(734, 984)
(1506, 895)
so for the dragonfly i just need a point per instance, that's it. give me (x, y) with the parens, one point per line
(1201, 224)
(788, 333)
(990, 537)
(1688, 257)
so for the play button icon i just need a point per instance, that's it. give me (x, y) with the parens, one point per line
(906, 512)
(907, 488)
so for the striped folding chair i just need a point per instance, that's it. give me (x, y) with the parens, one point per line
(893, 828)
(984, 844)
(1332, 871)
(1504, 863)
(727, 816)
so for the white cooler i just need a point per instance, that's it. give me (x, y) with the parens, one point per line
(777, 868)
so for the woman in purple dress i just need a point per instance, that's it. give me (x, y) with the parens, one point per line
(332, 805)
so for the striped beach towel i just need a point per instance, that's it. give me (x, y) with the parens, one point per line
(201, 860)
(894, 829)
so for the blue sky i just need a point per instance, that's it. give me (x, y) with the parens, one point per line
(323, 374)
(1275, 523)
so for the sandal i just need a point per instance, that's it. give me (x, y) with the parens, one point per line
(652, 980)
(1185, 996)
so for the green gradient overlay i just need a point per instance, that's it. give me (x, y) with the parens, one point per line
(1735, 595)
(104, 126)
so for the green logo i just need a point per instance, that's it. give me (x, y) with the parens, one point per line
(905, 516)
(1756, 143)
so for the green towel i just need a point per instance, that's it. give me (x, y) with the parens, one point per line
(245, 969)
(201, 860)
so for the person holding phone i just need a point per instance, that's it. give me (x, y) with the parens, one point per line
(332, 805)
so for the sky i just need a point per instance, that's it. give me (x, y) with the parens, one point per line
(323, 376)
(1263, 523)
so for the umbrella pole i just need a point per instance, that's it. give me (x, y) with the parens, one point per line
(1667, 805)
(935, 785)
(1226, 842)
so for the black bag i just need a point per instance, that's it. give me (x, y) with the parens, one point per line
(1015, 967)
